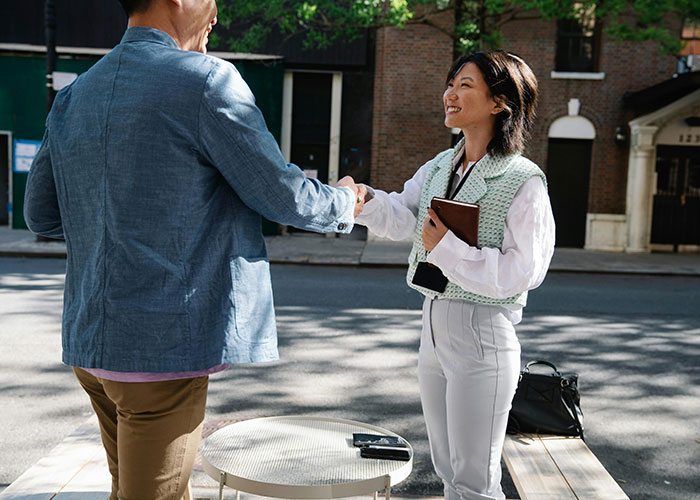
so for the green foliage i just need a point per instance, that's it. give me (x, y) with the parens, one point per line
(478, 23)
(646, 20)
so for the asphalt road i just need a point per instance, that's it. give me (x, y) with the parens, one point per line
(349, 340)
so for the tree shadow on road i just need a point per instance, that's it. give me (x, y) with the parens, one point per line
(640, 393)
(638, 378)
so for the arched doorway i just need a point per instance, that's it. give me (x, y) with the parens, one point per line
(568, 176)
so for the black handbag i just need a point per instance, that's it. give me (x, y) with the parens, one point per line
(546, 403)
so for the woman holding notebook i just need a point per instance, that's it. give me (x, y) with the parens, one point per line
(469, 357)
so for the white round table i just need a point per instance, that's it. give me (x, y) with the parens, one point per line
(299, 457)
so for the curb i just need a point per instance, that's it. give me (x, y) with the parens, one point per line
(306, 261)
(32, 255)
(357, 253)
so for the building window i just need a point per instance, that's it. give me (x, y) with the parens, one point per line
(690, 52)
(690, 36)
(578, 41)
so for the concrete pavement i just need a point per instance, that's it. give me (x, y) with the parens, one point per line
(547, 333)
(308, 248)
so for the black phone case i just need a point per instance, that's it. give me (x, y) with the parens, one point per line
(429, 277)
(385, 453)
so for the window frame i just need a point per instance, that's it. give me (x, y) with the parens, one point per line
(591, 34)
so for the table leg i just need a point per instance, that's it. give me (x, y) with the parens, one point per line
(222, 481)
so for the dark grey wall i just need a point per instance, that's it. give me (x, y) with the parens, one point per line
(79, 23)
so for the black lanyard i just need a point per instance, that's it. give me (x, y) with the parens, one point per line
(448, 194)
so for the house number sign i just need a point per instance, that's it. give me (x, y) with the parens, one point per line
(679, 133)
(689, 139)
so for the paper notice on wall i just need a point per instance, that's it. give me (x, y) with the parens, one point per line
(25, 151)
(61, 79)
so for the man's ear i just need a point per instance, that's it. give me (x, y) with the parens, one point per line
(178, 3)
(499, 104)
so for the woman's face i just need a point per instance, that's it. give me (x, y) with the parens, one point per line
(468, 102)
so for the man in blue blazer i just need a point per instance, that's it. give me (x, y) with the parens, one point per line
(156, 166)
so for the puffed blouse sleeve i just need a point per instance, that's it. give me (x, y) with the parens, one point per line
(393, 215)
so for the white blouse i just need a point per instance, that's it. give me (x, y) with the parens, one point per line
(528, 240)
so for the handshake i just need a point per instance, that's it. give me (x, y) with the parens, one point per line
(360, 191)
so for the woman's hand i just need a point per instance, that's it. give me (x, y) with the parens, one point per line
(433, 230)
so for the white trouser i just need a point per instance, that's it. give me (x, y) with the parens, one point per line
(468, 368)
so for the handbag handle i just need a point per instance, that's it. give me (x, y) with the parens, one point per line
(571, 408)
(540, 362)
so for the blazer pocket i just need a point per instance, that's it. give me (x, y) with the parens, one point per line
(252, 300)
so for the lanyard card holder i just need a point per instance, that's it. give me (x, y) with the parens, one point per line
(430, 277)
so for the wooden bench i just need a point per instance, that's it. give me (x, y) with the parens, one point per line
(542, 468)
(76, 469)
(557, 468)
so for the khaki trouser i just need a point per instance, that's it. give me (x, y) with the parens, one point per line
(150, 431)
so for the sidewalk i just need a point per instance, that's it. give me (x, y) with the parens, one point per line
(318, 249)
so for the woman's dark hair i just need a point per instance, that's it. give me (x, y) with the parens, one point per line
(132, 6)
(512, 83)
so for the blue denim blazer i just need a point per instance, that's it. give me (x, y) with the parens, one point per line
(155, 167)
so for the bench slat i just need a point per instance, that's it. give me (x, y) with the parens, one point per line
(92, 482)
(587, 476)
(534, 473)
(57, 469)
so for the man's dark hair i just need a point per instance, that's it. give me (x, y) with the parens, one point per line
(514, 86)
(133, 6)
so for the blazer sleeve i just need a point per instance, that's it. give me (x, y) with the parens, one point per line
(41, 210)
(235, 139)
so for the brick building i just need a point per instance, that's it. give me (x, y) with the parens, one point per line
(617, 133)
(407, 120)
(604, 164)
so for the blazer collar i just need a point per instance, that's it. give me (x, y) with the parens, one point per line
(146, 34)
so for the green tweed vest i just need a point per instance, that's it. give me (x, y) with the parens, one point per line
(492, 184)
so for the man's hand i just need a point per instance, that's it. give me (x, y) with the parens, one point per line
(433, 230)
(368, 193)
(359, 190)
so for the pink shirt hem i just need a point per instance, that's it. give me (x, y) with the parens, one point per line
(150, 377)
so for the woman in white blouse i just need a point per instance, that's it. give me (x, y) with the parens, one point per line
(469, 357)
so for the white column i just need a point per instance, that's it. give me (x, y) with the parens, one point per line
(334, 142)
(334, 146)
(287, 98)
(640, 187)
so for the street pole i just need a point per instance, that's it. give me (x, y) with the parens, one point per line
(50, 32)
(50, 35)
